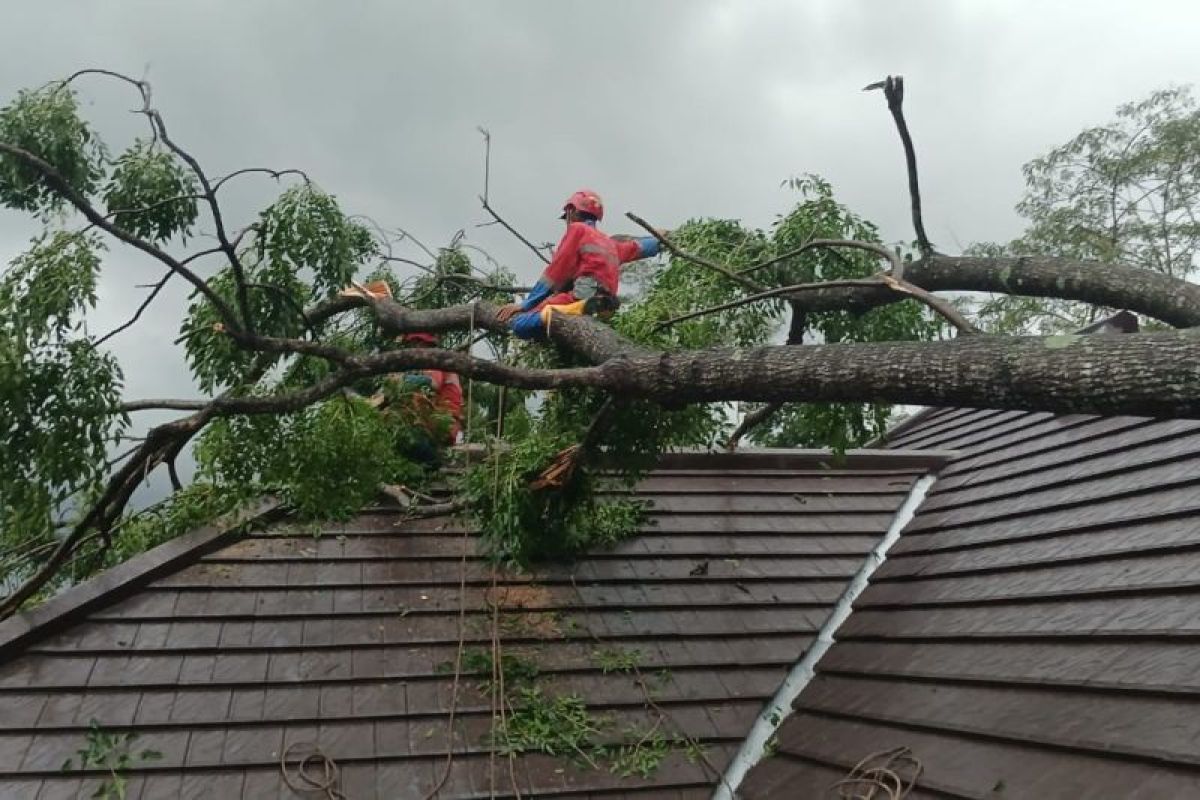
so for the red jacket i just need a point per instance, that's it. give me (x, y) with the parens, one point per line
(448, 390)
(586, 251)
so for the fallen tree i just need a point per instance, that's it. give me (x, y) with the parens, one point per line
(279, 330)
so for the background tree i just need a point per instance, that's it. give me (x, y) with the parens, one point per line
(284, 343)
(1124, 192)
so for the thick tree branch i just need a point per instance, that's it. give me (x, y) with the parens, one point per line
(1153, 294)
(1152, 374)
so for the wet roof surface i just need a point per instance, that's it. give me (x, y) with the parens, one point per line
(344, 639)
(1034, 631)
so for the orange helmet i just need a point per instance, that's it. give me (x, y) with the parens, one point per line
(587, 201)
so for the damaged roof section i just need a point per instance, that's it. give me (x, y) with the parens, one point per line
(1033, 631)
(346, 635)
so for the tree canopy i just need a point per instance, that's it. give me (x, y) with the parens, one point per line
(803, 334)
(1124, 192)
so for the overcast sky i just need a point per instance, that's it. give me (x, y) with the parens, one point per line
(671, 109)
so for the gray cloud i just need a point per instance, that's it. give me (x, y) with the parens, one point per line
(673, 109)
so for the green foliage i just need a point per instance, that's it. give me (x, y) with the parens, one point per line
(306, 231)
(839, 426)
(642, 753)
(1127, 191)
(57, 391)
(516, 670)
(154, 193)
(617, 659)
(564, 726)
(304, 249)
(326, 460)
(46, 123)
(681, 286)
(557, 726)
(112, 753)
(215, 359)
(521, 525)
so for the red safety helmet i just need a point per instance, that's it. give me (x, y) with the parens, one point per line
(587, 201)
(419, 338)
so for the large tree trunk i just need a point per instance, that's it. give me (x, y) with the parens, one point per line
(1146, 374)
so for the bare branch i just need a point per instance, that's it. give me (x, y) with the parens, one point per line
(750, 422)
(893, 90)
(484, 199)
(940, 306)
(788, 291)
(276, 174)
(162, 404)
(487, 160)
(210, 195)
(499, 219)
(158, 287)
(741, 280)
(871, 247)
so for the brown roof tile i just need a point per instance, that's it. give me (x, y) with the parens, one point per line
(1032, 632)
(229, 655)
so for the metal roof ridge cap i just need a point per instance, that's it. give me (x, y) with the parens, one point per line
(22, 627)
(776, 711)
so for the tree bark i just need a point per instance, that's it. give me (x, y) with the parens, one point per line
(1142, 374)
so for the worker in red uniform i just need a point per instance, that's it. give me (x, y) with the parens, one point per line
(446, 396)
(443, 400)
(583, 276)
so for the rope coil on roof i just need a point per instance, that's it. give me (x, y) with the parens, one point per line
(880, 781)
(326, 780)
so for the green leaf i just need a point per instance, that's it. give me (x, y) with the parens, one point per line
(46, 124)
(151, 194)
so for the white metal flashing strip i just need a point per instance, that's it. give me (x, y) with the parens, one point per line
(779, 707)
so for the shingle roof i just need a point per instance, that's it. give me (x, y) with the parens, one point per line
(342, 638)
(1033, 632)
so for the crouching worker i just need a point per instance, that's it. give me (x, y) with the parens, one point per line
(428, 402)
(584, 274)
(436, 406)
